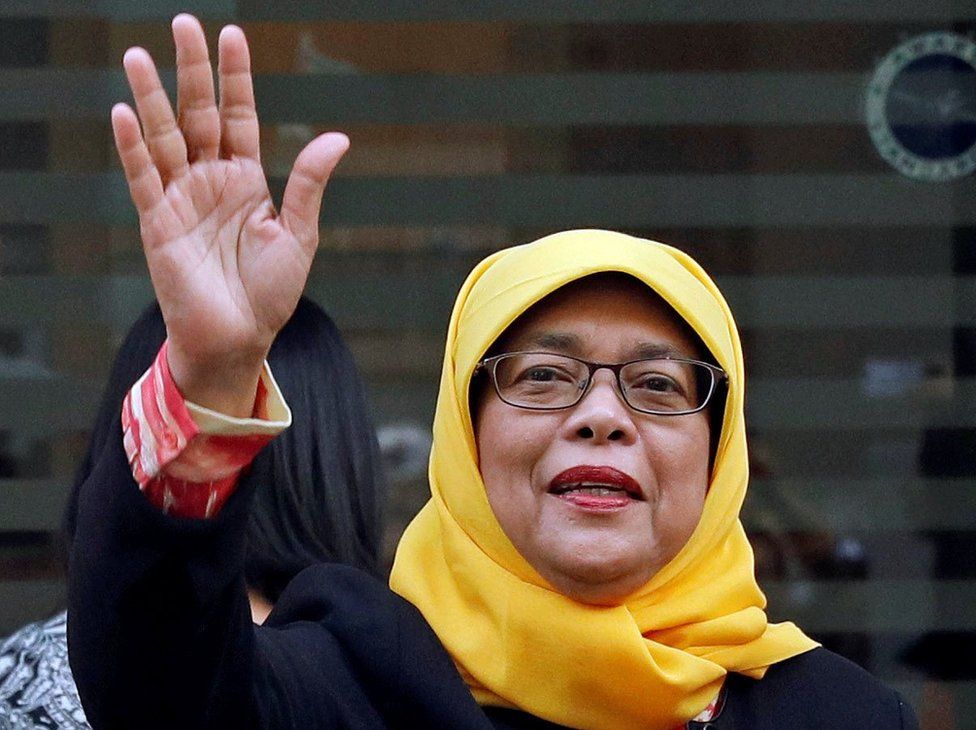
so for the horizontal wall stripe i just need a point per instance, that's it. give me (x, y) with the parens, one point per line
(875, 605)
(538, 100)
(539, 11)
(779, 505)
(117, 10)
(32, 505)
(36, 407)
(810, 403)
(619, 11)
(394, 301)
(886, 453)
(845, 505)
(551, 201)
(23, 601)
(555, 100)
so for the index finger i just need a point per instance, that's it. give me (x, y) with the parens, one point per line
(145, 187)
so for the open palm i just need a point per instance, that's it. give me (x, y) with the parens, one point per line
(227, 269)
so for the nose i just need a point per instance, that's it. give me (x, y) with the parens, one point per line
(602, 415)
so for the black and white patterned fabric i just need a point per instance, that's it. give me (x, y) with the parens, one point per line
(36, 687)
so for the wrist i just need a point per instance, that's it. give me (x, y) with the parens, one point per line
(226, 384)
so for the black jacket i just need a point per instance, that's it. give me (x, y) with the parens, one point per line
(160, 636)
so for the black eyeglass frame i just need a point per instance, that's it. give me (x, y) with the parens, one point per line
(490, 364)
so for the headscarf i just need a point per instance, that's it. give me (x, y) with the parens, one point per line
(659, 657)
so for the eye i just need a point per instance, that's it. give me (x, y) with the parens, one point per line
(545, 374)
(656, 383)
(532, 375)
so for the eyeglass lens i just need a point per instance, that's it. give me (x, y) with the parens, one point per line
(541, 380)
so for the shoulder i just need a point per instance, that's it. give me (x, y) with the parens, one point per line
(340, 632)
(357, 616)
(351, 604)
(817, 689)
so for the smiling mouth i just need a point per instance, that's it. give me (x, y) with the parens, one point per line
(597, 482)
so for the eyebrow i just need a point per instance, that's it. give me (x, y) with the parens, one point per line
(559, 341)
(657, 349)
(571, 344)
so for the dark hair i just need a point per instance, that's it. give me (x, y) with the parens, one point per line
(320, 488)
(320, 493)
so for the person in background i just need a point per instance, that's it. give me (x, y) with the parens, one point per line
(319, 496)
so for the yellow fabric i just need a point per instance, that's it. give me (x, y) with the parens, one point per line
(660, 658)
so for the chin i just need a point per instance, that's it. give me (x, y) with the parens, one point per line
(600, 594)
(602, 582)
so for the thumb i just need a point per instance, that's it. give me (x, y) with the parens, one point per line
(303, 193)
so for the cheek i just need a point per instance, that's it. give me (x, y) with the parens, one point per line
(505, 463)
(509, 443)
(497, 439)
(695, 462)
(696, 454)
(678, 455)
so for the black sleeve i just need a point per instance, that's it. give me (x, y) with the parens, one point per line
(160, 632)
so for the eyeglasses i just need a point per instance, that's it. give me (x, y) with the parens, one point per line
(544, 381)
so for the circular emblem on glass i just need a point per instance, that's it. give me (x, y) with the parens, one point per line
(921, 107)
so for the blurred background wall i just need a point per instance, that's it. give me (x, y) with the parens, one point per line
(816, 159)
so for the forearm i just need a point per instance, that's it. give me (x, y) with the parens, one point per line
(159, 619)
(159, 628)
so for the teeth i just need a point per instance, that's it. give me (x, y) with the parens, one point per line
(596, 490)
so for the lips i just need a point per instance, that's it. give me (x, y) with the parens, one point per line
(596, 482)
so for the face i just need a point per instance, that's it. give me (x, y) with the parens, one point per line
(596, 544)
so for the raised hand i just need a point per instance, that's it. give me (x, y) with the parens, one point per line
(227, 269)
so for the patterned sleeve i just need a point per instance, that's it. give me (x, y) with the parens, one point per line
(186, 458)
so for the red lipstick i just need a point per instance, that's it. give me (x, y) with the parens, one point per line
(596, 487)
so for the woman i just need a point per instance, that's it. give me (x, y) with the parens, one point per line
(581, 562)
(320, 499)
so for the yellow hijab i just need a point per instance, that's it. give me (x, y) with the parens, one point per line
(656, 660)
